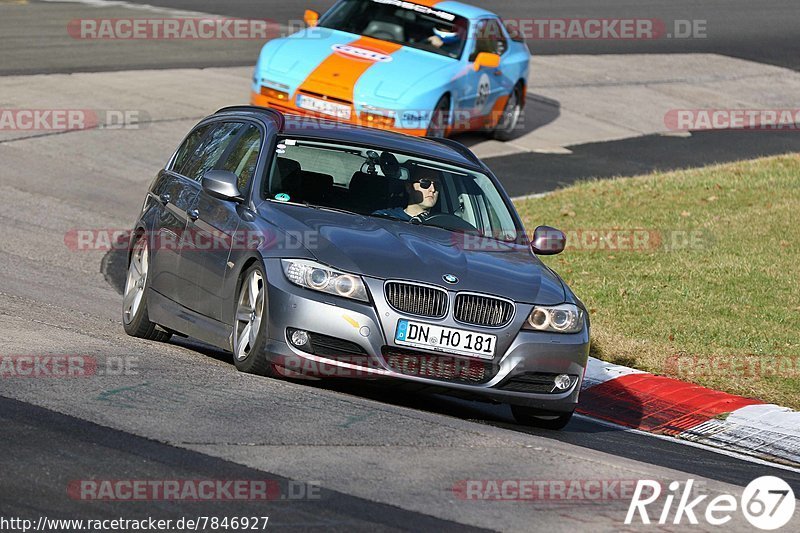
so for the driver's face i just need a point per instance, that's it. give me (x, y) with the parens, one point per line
(429, 188)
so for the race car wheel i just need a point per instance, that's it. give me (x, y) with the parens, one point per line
(440, 118)
(134, 300)
(507, 126)
(528, 417)
(250, 324)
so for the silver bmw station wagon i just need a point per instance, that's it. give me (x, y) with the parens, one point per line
(312, 248)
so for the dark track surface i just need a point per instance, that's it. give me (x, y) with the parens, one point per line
(34, 484)
(532, 173)
(763, 31)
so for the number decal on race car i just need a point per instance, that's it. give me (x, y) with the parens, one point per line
(484, 88)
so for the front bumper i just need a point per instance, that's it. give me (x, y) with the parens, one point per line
(371, 328)
(289, 107)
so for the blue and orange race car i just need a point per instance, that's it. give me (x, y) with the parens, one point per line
(424, 68)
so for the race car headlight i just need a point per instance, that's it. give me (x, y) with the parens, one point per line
(564, 318)
(321, 278)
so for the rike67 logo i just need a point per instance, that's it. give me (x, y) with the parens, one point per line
(767, 503)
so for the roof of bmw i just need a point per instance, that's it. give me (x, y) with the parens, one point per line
(447, 150)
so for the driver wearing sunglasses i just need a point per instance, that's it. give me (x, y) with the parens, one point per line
(423, 193)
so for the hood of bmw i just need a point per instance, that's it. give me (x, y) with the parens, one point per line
(388, 249)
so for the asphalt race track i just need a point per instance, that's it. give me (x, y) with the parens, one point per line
(368, 457)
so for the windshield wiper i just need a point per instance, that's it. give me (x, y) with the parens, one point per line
(328, 208)
(386, 217)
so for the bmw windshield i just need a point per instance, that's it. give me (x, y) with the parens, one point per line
(378, 183)
(400, 22)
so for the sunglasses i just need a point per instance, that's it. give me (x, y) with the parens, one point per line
(425, 184)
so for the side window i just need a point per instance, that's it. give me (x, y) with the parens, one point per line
(211, 149)
(514, 33)
(242, 158)
(489, 38)
(188, 149)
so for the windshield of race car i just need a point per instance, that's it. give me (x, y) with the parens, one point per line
(401, 22)
(378, 183)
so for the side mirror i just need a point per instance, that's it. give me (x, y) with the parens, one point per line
(222, 184)
(548, 241)
(311, 17)
(486, 60)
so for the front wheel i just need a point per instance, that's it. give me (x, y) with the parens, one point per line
(250, 324)
(134, 301)
(507, 126)
(440, 118)
(528, 417)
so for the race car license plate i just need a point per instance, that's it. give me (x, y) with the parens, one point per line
(443, 339)
(324, 107)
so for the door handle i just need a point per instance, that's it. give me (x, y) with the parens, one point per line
(165, 198)
(498, 72)
(194, 214)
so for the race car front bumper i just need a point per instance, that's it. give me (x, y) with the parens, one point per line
(357, 119)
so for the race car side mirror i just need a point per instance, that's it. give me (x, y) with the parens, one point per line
(548, 241)
(311, 17)
(486, 60)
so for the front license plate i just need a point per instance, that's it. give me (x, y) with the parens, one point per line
(324, 107)
(443, 339)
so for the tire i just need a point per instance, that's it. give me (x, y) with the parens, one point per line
(250, 324)
(507, 126)
(529, 417)
(134, 301)
(440, 118)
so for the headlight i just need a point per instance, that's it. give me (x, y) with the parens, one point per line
(321, 278)
(564, 318)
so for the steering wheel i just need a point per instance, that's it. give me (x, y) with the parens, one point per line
(383, 35)
(446, 221)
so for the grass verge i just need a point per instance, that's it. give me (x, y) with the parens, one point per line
(692, 274)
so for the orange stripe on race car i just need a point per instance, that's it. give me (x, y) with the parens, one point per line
(496, 114)
(427, 3)
(337, 75)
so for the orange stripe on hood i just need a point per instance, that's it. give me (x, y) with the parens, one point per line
(337, 75)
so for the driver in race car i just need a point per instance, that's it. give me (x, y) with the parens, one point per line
(423, 193)
(447, 37)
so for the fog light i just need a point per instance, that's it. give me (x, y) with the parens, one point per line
(563, 382)
(300, 338)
